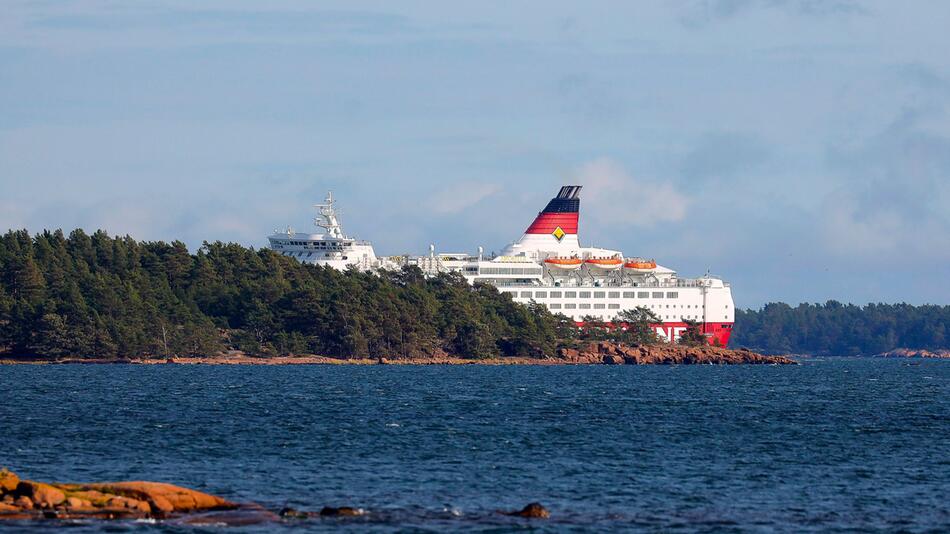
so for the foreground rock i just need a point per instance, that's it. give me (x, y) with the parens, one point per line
(533, 510)
(610, 353)
(27, 499)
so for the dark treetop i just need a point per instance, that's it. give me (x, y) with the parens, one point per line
(840, 329)
(99, 296)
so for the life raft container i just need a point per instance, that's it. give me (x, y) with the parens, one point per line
(640, 266)
(604, 264)
(564, 264)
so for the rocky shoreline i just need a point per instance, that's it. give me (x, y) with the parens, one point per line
(28, 500)
(666, 354)
(915, 353)
(599, 353)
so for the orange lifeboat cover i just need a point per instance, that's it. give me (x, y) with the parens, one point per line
(563, 261)
(604, 261)
(640, 264)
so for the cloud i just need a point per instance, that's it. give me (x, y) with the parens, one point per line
(460, 196)
(923, 76)
(110, 25)
(895, 192)
(613, 196)
(698, 13)
(724, 154)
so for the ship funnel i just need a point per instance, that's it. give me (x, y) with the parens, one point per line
(554, 230)
(559, 217)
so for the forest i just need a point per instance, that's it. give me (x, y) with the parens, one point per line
(99, 296)
(840, 329)
(96, 296)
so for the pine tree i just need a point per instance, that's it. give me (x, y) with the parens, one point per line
(693, 335)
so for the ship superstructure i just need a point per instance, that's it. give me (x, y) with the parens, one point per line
(549, 266)
(333, 248)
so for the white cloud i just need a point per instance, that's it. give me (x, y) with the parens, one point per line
(460, 196)
(890, 235)
(613, 196)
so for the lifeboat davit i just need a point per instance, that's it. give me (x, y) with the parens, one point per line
(640, 266)
(604, 264)
(564, 264)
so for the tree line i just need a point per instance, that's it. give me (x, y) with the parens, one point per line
(100, 296)
(842, 329)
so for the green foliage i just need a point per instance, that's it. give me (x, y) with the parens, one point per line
(636, 327)
(100, 296)
(840, 329)
(693, 335)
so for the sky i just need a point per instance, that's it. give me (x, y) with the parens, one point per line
(800, 149)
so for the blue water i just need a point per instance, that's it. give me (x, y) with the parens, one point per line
(837, 444)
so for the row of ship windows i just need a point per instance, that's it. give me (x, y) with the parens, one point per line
(595, 294)
(505, 270)
(313, 244)
(584, 306)
(554, 306)
(321, 246)
(301, 255)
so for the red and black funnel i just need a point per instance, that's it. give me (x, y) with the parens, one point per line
(561, 212)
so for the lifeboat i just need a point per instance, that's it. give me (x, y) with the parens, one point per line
(640, 266)
(564, 264)
(604, 264)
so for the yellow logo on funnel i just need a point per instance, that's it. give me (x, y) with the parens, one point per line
(558, 233)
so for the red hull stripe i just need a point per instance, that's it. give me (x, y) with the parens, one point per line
(716, 333)
(546, 223)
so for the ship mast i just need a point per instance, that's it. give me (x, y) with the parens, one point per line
(328, 219)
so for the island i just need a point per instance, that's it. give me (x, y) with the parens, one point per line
(97, 298)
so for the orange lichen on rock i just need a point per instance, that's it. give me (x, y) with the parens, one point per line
(25, 499)
(8, 481)
(42, 495)
(164, 498)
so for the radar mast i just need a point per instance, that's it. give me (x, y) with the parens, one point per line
(329, 220)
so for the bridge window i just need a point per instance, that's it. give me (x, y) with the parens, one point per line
(598, 294)
(585, 294)
(555, 294)
(615, 294)
(570, 294)
(672, 294)
(525, 294)
(657, 294)
(540, 294)
(643, 294)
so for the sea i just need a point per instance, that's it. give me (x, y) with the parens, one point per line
(831, 445)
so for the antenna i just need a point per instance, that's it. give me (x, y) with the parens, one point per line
(329, 219)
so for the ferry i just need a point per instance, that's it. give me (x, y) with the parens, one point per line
(547, 265)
